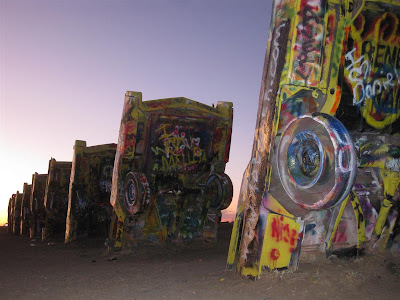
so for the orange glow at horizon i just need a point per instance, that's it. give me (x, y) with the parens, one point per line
(64, 73)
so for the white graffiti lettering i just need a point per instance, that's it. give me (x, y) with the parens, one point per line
(365, 84)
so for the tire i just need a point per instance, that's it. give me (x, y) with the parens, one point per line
(219, 189)
(316, 161)
(136, 193)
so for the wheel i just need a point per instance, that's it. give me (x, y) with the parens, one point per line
(316, 161)
(136, 193)
(220, 189)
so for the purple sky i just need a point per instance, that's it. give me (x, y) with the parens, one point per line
(66, 65)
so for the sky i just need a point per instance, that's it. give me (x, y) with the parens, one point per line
(65, 66)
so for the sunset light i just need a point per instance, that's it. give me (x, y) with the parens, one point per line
(66, 65)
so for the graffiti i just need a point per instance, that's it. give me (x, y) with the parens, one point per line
(180, 148)
(25, 209)
(280, 241)
(11, 216)
(217, 142)
(160, 105)
(259, 167)
(315, 231)
(269, 93)
(105, 178)
(308, 42)
(166, 189)
(56, 198)
(17, 213)
(346, 230)
(313, 148)
(37, 204)
(372, 67)
(282, 232)
(129, 143)
(295, 105)
(340, 60)
(364, 194)
(89, 210)
(378, 87)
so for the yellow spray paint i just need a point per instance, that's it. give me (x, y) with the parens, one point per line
(359, 219)
(280, 241)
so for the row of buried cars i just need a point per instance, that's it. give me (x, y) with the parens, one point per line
(165, 179)
(324, 173)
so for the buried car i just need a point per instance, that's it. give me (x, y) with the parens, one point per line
(25, 209)
(169, 178)
(38, 211)
(324, 171)
(56, 198)
(89, 207)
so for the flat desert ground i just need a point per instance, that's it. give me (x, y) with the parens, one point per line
(32, 269)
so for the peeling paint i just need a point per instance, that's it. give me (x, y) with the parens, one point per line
(335, 60)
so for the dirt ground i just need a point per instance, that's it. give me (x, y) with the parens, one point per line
(36, 270)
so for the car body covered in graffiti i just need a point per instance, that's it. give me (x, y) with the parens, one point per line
(38, 211)
(169, 178)
(89, 208)
(17, 204)
(25, 209)
(56, 198)
(9, 215)
(324, 171)
(11, 208)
